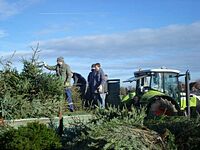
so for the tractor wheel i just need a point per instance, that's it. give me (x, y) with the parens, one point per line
(162, 106)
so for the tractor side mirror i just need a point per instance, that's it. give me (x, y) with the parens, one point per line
(187, 91)
(188, 74)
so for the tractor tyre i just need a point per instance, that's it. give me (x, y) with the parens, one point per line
(162, 106)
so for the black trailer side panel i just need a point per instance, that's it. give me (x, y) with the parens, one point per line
(113, 96)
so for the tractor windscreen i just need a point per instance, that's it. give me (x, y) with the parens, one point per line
(171, 85)
(166, 83)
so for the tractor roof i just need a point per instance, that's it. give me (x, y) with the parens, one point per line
(145, 72)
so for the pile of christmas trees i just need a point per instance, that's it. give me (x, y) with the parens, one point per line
(114, 128)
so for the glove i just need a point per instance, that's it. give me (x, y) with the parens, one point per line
(100, 89)
(39, 64)
(67, 84)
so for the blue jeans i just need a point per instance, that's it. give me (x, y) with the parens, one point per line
(68, 94)
(100, 99)
(103, 99)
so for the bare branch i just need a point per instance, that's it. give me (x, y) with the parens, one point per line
(35, 55)
(7, 63)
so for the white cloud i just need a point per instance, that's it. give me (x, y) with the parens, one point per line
(76, 13)
(8, 9)
(2, 33)
(18, 54)
(136, 42)
(55, 28)
(176, 46)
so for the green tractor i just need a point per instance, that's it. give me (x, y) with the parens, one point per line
(160, 91)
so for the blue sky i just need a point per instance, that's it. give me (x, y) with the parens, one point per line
(123, 35)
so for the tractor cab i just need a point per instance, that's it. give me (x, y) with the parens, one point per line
(161, 80)
(158, 90)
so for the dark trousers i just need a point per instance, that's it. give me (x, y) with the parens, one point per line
(82, 89)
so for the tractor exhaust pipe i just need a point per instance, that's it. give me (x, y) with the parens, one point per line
(187, 91)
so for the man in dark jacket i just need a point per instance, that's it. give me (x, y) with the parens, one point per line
(98, 85)
(91, 77)
(89, 93)
(80, 82)
(64, 72)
